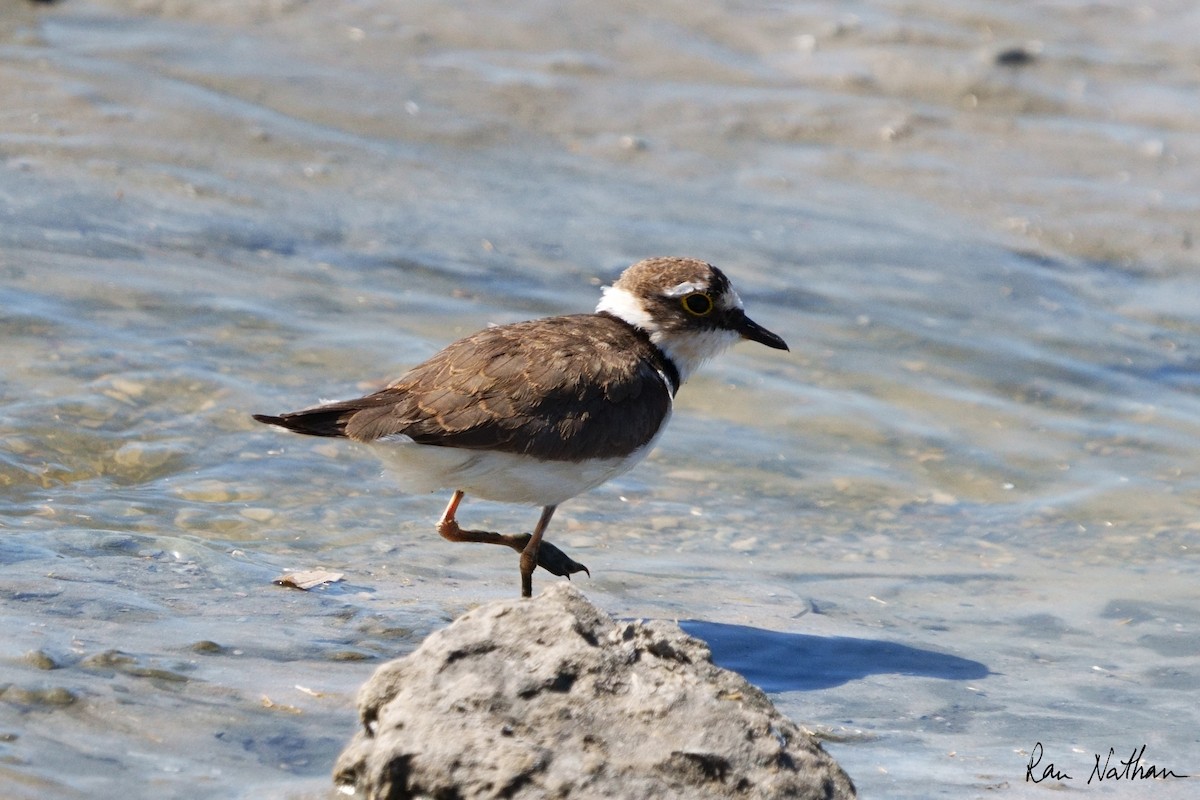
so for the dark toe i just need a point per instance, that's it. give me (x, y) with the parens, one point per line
(556, 562)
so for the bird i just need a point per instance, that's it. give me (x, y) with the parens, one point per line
(540, 411)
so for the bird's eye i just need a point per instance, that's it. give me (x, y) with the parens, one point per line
(698, 304)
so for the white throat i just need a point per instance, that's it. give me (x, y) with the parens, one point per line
(688, 350)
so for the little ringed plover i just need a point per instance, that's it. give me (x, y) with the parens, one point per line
(537, 412)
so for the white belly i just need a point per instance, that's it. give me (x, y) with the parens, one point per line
(507, 477)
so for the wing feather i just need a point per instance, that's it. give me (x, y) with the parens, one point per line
(555, 388)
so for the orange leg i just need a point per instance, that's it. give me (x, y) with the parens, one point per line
(534, 552)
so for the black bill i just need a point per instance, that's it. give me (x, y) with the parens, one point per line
(749, 329)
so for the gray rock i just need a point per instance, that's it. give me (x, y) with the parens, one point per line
(552, 698)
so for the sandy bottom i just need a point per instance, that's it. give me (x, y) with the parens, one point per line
(957, 521)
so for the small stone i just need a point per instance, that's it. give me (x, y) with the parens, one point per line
(40, 659)
(54, 696)
(143, 456)
(1021, 55)
(206, 491)
(258, 514)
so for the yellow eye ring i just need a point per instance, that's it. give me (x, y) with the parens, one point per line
(698, 304)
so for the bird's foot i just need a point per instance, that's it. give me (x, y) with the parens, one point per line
(552, 559)
(556, 562)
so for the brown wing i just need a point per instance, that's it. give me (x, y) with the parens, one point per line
(518, 388)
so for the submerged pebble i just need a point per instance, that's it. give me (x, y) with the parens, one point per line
(40, 659)
(51, 696)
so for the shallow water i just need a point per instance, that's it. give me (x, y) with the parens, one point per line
(959, 519)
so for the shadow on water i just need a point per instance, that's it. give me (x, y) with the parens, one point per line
(782, 662)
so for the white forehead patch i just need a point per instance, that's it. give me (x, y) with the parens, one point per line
(686, 288)
(726, 302)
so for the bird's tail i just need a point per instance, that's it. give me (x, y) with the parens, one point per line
(321, 421)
